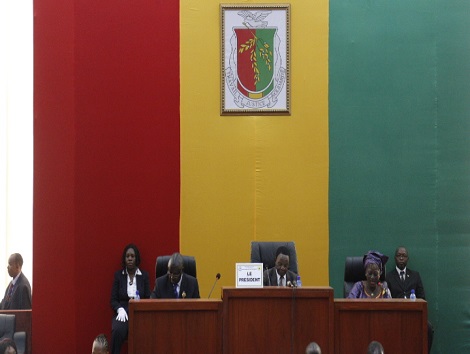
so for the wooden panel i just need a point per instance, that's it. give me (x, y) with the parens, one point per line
(399, 324)
(175, 326)
(277, 320)
(23, 323)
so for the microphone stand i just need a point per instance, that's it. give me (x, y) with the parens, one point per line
(217, 277)
(269, 278)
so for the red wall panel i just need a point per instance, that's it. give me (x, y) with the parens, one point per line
(106, 157)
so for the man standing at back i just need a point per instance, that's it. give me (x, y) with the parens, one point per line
(402, 280)
(18, 293)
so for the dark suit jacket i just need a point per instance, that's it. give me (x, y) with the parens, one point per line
(21, 297)
(270, 277)
(119, 296)
(401, 289)
(164, 288)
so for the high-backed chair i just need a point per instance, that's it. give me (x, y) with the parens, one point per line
(7, 326)
(354, 272)
(265, 252)
(161, 266)
(7, 330)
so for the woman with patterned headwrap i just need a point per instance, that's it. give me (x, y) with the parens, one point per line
(371, 288)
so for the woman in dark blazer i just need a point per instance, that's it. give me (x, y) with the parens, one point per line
(127, 281)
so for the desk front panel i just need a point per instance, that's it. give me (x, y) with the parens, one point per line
(400, 325)
(277, 320)
(175, 326)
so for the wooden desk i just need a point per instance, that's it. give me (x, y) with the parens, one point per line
(399, 324)
(23, 323)
(175, 326)
(277, 320)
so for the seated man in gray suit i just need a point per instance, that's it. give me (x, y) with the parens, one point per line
(18, 292)
(176, 283)
(280, 275)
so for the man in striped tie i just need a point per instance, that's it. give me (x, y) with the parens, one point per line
(18, 293)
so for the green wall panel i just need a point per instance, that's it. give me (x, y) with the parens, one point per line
(400, 148)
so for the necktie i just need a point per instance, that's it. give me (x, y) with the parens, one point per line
(402, 276)
(281, 281)
(10, 291)
(175, 290)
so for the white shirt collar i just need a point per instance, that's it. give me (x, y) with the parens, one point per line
(401, 270)
(181, 279)
(137, 272)
(16, 278)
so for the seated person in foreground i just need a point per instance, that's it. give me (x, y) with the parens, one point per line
(371, 288)
(375, 348)
(7, 346)
(280, 275)
(313, 348)
(100, 345)
(176, 283)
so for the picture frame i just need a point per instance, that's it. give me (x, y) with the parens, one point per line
(255, 59)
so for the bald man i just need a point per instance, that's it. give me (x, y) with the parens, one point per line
(18, 293)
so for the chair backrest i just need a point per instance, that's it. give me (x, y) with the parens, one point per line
(7, 326)
(20, 339)
(161, 266)
(354, 272)
(265, 252)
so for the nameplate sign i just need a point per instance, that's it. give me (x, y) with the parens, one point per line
(249, 275)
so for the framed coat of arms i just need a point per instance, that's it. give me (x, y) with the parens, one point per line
(255, 77)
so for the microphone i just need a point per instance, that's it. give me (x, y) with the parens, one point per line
(291, 284)
(217, 277)
(269, 278)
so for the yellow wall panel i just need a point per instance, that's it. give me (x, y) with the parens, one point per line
(253, 177)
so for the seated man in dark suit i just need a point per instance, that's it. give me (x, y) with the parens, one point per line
(280, 275)
(176, 283)
(402, 280)
(18, 292)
